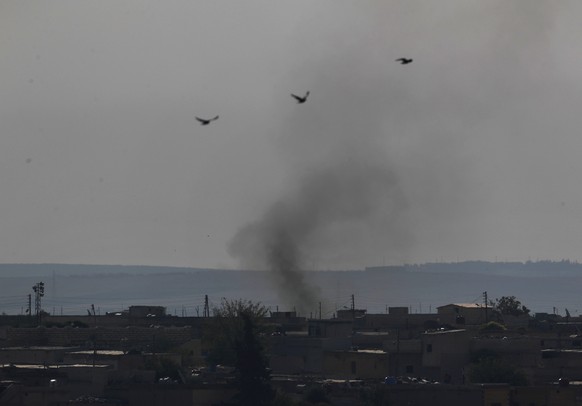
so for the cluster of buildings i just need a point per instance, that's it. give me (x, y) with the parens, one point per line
(145, 357)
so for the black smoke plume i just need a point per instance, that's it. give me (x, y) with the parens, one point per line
(332, 209)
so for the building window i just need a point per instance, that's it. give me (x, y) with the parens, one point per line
(429, 348)
(353, 367)
(315, 331)
(550, 354)
(542, 343)
(409, 369)
(576, 343)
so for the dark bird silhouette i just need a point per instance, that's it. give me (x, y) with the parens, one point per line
(300, 99)
(404, 61)
(204, 121)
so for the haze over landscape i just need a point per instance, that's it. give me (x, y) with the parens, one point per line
(72, 289)
(470, 152)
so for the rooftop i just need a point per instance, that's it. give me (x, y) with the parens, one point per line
(464, 305)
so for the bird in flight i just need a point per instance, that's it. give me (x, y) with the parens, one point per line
(404, 61)
(300, 99)
(204, 121)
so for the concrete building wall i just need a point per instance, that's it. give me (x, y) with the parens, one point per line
(496, 395)
(398, 321)
(472, 315)
(191, 352)
(555, 364)
(349, 314)
(288, 364)
(113, 337)
(290, 354)
(110, 320)
(330, 328)
(506, 345)
(409, 364)
(449, 351)
(355, 364)
(164, 395)
(413, 346)
(33, 355)
(515, 322)
(147, 311)
(433, 395)
(211, 396)
(437, 346)
(369, 340)
(547, 395)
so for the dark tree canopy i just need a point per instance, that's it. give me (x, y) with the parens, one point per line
(235, 339)
(492, 327)
(227, 326)
(252, 367)
(509, 305)
(491, 369)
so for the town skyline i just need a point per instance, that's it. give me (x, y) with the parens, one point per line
(546, 287)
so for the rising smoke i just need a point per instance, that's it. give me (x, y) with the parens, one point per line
(330, 204)
(343, 201)
(381, 153)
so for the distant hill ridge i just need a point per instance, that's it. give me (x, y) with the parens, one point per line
(542, 286)
(19, 270)
(528, 268)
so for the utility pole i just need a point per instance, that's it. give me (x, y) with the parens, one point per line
(397, 360)
(353, 307)
(38, 294)
(206, 307)
(319, 310)
(29, 310)
(94, 315)
(486, 304)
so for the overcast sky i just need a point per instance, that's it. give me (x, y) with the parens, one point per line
(471, 152)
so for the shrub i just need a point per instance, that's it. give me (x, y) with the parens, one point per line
(492, 327)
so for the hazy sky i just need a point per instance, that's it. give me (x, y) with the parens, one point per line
(472, 152)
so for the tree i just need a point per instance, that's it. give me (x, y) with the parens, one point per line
(164, 368)
(509, 305)
(491, 327)
(236, 340)
(254, 377)
(316, 395)
(227, 327)
(490, 369)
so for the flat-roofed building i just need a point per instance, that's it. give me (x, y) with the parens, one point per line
(464, 313)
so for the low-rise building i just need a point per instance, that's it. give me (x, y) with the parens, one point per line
(464, 313)
(445, 354)
(147, 311)
(356, 364)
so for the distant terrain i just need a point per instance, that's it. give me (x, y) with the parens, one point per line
(543, 286)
